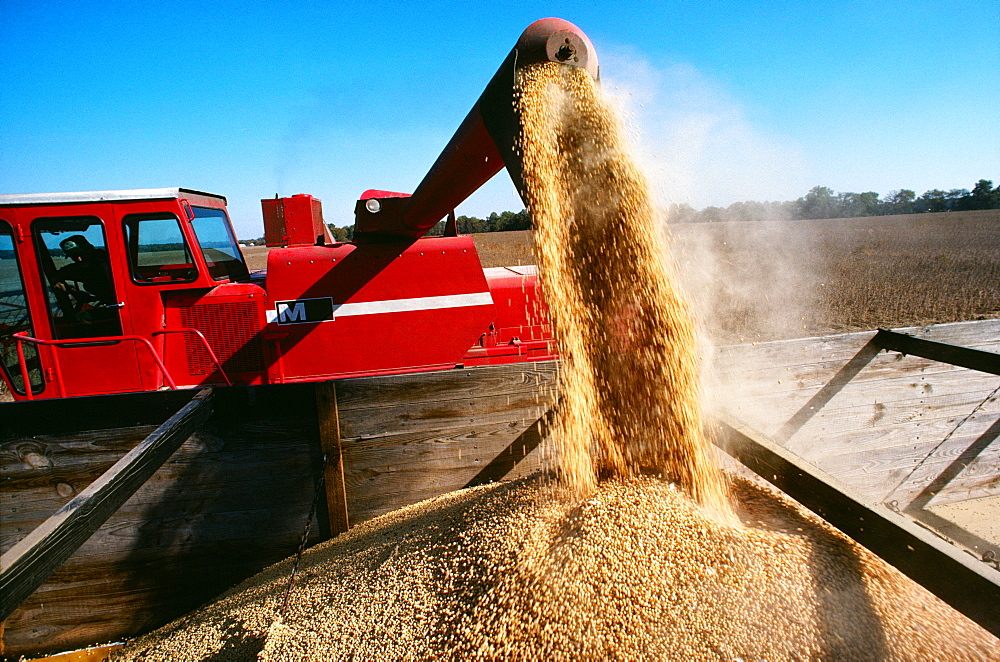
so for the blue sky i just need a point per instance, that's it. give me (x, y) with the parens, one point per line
(725, 101)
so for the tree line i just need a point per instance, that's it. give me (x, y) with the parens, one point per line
(819, 202)
(823, 202)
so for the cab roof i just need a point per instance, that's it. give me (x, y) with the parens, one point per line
(20, 199)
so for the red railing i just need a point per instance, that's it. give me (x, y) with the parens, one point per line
(23, 364)
(208, 348)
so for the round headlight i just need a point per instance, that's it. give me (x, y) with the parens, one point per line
(373, 205)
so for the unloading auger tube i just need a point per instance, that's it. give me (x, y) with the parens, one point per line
(483, 143)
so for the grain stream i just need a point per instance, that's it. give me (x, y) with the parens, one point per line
(629, 400)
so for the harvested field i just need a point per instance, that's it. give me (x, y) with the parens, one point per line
(633, 572)
(769, 280)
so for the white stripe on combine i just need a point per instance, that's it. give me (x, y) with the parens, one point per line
(404, 305)
(410, 305)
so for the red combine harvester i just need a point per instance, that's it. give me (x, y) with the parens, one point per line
(122, 291)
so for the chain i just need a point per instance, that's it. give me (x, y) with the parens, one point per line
(305, 537)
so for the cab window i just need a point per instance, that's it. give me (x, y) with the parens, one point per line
(73, 257)
(218, 244)
(157, 250)
(14, 318)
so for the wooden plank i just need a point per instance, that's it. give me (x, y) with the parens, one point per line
(390, 472)
(60, 615)
(867, 422)
(885, 379)
(886, 426)
(747, 360)
(796, 381)
(30, 562)
(431, 416)
(890, 426)
(76, 415)
(969, 586)
(232, 500)
(93, 654)
(969, 334)
(368, 393)
(834, 386)
(881, 474)
(936, 481)
(517, 450)
(227, 490)
(333, 468)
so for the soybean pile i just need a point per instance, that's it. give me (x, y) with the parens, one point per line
(513, 571)
(640, 548)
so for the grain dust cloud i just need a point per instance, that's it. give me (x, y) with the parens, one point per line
(631, 561)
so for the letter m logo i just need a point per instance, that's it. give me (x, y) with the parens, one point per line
(302, 311)
(291, 312)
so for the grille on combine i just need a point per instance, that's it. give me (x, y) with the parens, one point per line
(229, 329)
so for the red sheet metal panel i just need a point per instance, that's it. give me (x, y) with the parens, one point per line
(376, 308)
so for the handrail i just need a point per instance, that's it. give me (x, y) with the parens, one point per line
(204, 341)
(24, 337)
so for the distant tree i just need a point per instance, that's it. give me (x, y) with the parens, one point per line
(933, 200)
(899, 202)
(819, 202)
(957, 199)
(471, 225)
(437, 229)
(345, 233)
(682, 213)
(984, 196)
(712, 214)
(858, 204)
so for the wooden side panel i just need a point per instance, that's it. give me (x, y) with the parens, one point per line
(233, 499)
(235, 496)
(880, 425)
(35, 557)
(906, 431)
(765, 384)
(414, 437)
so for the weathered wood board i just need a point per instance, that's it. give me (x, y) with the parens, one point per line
(233, 499)
(902, 430)
(411, 437)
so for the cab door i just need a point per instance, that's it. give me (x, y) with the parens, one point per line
(84, 305)
(15, 317)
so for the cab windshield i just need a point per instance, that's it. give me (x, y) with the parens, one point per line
(218, 244)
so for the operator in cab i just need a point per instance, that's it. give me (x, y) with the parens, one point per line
(88, 278)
